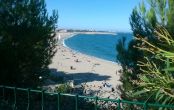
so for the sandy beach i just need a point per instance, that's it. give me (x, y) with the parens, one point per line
(97, 76)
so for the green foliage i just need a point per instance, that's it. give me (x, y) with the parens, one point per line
(153, 80)
(63, 88)
(122, 51)
(170, 18)
(27, 41)
(127, 57)
(144, 20)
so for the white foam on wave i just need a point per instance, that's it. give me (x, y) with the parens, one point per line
(63, 41)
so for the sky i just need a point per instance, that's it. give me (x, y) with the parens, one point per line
(109, 15)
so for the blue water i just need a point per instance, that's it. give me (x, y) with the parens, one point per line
(97, 45)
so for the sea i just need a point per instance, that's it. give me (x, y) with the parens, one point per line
(97, 45)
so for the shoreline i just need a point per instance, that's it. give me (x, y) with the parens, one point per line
(63, 43)
(99, 77)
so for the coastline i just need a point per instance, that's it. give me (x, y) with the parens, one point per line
(86, 69)
(63, 43)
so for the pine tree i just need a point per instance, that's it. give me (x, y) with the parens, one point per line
(144, 20)
(27, 41)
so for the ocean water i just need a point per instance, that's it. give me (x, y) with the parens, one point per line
(98, 45)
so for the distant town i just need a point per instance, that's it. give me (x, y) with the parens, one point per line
(81, 30)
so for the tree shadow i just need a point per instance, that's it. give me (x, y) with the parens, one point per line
(79, 77)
